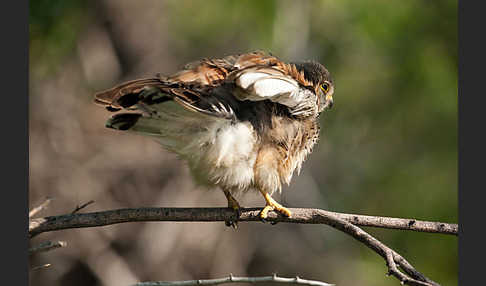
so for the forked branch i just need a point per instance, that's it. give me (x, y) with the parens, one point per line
(299, 215)
(348, 223)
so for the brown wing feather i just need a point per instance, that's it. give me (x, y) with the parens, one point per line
(141, 94)
(258, 58)
(261, 59)
(188, 85)
(206, 72)
(214, 71)
(111, 96)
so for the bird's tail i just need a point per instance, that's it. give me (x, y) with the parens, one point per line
(156, 108)
(130, 93)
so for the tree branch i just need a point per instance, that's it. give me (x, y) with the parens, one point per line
(347, 223)
(42, 206)
(391, 257)
(40, 267)
(234, 279)
(80, 207)
(307, 216)
(46, 246)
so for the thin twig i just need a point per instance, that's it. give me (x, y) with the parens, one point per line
(234, 279)
(40, 207)
(78, 208)
(46, 246)
(40, 267)
(307, 216)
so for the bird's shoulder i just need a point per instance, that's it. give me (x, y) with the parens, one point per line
(212, 72)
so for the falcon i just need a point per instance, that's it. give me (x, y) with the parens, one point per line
(243, 122)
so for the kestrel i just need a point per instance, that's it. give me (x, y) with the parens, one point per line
(242, 122)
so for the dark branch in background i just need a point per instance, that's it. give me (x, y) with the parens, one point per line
(46, 246)
(125, 59)
(347, 223)
(43, 266)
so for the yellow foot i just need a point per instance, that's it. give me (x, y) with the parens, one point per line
(272, 205)
(233, 204)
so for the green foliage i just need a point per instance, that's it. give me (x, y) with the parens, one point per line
(53, 31)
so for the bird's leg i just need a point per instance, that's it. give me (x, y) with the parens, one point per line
(267, 178)
(271, 204)
(233, 204)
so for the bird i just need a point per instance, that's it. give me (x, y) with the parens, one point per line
(243, 122)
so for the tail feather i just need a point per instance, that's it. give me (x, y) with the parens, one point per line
(123, 121)
(173, 114)
(126, 94)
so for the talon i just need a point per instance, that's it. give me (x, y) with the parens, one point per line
(272, 205)
(230, 223)
(262, 217)
(264, 212)
(284, 211)
(236, 209)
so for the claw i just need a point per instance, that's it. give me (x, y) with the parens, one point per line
(237, 211)
(273, 205)
(230, 223)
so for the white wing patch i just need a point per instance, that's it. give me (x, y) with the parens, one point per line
(269, 88)
(266, 85)
(246, 79)
(271, 84)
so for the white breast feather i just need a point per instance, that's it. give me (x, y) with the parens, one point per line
(224, 153)
(218, 150)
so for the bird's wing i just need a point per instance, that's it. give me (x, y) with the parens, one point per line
(212, 72)
(277, 84)
(257, 76)
(151, 94)
(190, 87)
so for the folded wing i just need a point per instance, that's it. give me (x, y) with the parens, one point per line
(272, 83)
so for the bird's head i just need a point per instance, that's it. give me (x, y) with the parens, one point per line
(323, 84)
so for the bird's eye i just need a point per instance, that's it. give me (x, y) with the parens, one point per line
(325, 87)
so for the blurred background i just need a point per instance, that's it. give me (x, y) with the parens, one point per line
(388, 148)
